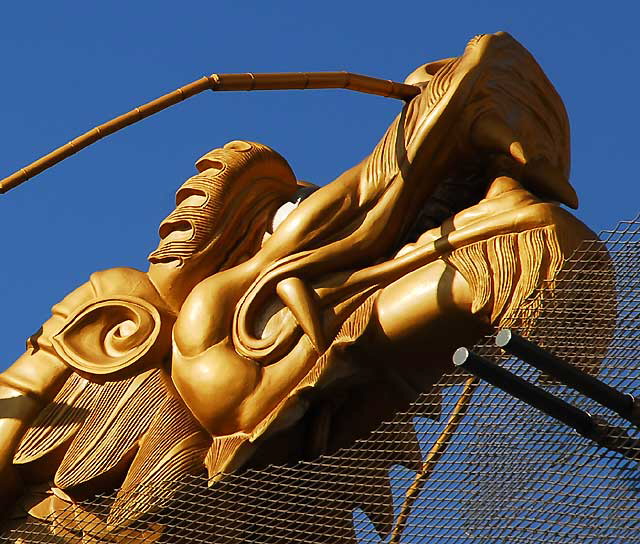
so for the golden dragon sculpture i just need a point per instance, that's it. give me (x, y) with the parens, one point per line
(278, 320)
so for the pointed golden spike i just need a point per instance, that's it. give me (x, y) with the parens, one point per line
(491, 133)
(548, 181)
(301, 300)
(517, 152)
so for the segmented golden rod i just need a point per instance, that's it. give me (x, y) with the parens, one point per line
(216, 82)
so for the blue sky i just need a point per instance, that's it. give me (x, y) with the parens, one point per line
(71, 65)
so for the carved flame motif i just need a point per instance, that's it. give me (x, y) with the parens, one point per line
(216, 205)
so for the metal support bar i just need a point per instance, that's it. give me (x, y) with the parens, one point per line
(594, 428)
(621, 403)
(533, 395)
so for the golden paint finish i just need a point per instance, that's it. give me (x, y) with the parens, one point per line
(260, 316)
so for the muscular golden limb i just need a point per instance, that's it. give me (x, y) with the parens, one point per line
(25, 388)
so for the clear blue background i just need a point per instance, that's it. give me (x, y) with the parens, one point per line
(69, 66)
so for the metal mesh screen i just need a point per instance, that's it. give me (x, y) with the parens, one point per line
(504, 471)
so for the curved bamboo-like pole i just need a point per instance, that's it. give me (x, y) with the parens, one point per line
(434, 455)
(216, 82)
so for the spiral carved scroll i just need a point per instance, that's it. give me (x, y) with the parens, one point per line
(114, 337)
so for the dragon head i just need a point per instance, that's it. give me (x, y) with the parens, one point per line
(500, 110)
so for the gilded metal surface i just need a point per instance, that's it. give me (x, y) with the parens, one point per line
(214, 82)
(277, 322)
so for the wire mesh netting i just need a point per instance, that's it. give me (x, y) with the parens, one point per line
(465, 463)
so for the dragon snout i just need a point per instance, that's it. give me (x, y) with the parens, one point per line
(492, 133)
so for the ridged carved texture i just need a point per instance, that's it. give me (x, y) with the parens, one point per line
(58, 421)
(440, 82)
(174, 446)
(120, 414)
(236, 184)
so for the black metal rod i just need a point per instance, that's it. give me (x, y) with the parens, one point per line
(514, 385)
(513, 343)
